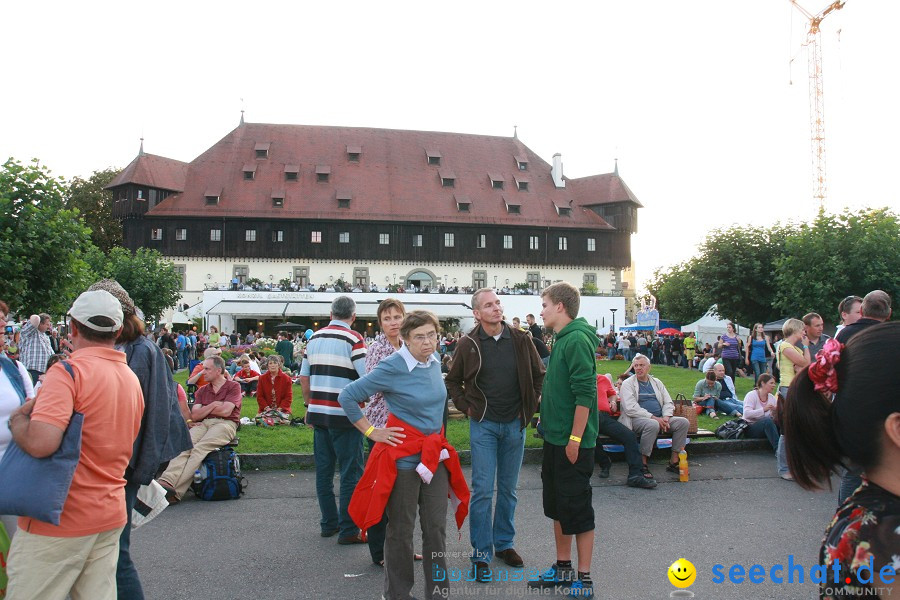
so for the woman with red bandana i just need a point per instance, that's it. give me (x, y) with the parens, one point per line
(861, 424)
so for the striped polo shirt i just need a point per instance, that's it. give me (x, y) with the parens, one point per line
(335, 356)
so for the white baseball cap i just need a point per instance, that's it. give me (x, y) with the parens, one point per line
(97, 303)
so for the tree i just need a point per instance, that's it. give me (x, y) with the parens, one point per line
(95, 205)
(42, 243)
(735, 271)
(676, 292)
(151, 281)
(836, 256)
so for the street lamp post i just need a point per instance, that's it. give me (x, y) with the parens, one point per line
(613, 311)
(495, 282)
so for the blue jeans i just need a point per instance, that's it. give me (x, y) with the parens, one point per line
(729, 406)
(127, 580)
(612, 428)
(850, 480)
(330, 446)
(759, 367)
(708, 405)
(764, 428)
(497, 451)
(780, 452)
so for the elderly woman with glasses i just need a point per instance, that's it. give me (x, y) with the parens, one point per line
(412, 464)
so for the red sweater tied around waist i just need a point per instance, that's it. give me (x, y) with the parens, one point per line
(371, 495)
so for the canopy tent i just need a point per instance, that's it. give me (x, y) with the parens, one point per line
(708, 327)
(775, 326)
(636, 328)
(669, 331)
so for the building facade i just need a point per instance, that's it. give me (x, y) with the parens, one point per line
(376, 208)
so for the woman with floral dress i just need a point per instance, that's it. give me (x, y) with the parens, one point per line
(862, 424)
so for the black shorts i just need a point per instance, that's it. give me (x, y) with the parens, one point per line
(567, 488)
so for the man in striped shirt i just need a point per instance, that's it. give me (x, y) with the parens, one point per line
(335, 356)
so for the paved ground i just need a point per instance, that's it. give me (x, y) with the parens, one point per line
(735, 510)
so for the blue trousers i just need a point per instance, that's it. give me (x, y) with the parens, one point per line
(729, 406)
(497, 451)
(764, 428)
(127, 581)
(333, 446)
(612, 428)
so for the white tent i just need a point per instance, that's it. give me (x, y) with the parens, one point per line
(708, 327)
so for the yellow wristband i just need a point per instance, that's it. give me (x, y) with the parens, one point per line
(369, 430)
(575, 438)
(189, 421)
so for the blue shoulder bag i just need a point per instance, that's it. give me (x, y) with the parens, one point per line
(38, 487)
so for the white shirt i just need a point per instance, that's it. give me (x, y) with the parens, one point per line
(9, 401)
(411, 361)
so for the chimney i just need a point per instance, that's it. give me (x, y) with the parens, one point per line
(556, 171)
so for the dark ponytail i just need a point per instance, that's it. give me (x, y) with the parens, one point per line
(819, 433)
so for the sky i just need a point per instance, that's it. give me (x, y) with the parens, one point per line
(694, 99)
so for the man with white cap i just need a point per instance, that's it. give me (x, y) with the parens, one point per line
(79, 555)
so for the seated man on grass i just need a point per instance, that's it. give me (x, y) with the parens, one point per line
(727, 403)
(647, 410)
(214, 422)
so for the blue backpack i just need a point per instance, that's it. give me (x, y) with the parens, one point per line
(220, 476)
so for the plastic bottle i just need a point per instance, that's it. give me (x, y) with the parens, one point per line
(682, 466)
(197, 477)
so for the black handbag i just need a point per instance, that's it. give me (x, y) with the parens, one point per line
(732, 430)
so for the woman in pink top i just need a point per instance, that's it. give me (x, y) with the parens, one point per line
(759, 411)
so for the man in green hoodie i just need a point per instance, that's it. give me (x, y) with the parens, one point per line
(570, 421)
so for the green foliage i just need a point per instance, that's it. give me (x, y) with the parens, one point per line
(677, 294)
(836, 256)
(42, 243)
(589, 289)
(284, 283)
(151, 281)
(252, 281)
(95, 206)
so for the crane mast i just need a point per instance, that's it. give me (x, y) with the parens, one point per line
(817, 96)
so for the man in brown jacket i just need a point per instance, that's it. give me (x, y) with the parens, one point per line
(496, 378)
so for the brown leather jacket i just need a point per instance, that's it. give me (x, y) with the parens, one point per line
(466, 363)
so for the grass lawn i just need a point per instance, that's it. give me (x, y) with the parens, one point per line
(286, 439)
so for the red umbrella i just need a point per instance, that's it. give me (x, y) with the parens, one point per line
(669, 331)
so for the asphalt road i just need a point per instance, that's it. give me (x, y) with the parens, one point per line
(735, 510)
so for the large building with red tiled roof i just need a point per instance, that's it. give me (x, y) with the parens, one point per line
(377, 207)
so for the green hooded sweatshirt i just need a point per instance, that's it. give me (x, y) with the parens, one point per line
(571, 381)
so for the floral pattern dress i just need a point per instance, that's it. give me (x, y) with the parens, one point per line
(376, 410)
(866, 527)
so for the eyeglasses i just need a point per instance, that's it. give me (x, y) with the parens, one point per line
(422, 338)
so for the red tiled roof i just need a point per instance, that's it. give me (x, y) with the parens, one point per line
(153, 171)
(602, 189)
(392, 181)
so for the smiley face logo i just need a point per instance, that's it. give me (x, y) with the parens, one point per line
(682, 573)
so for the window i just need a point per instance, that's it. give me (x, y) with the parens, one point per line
(522, 185)
(156, 234)
(497, 185)
(448, 240)
(215, 235)
(291, 172)
(344, 237)
(212, 199)
(496, 181)
(248, 175)
(417, 240)
(241, 272)
(316, 237)
(507, 242)
(250, 235)
(447, 181)
(590, 279)
(384, 239)
(481, 241)
(521, 163)
(277, 235)
(181, 234)
(361, 277)
(182, 273)
(591, 244)
(563, 211)
(262, 149)
(301, 276)
(278, 201)
(322, 173)
(563, 243)
(434, 157)
(534, 242)
(154, 198)
(140, 195)
(534, 280)
(353, 153)
(513, 209)
(463, 206)
(479, 279)
(343, 199)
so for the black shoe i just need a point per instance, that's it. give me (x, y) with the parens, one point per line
(553, 577)
(603, 473)
(639, 481)
(330, 532)
(482, 572)
(511, 557)
(351, 539)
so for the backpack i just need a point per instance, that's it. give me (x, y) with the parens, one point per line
(732, 430)
(220, 476)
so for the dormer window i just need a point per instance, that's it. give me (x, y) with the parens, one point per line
(353, 153)
(262, 149)
(434, 157)
(291, 172)
(521, 163)
(212, 198)
(278, 199)
(448, 178)
(496, 181)
(463, 204)
(323, 172)
(343, 199)
(522, 184)
(512, 208)
(249, 172)
(562, 210)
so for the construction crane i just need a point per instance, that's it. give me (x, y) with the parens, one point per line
(817, 95)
